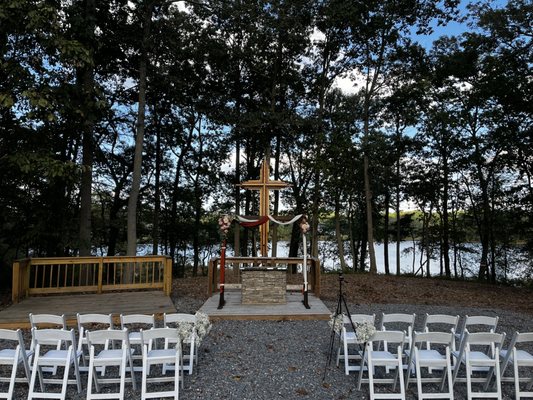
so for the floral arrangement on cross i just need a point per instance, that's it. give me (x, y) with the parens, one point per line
(224, 225)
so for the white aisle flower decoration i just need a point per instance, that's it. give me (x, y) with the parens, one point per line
(202, 326)
(364, 331)
(336, 322)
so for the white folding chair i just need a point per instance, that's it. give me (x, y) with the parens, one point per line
(13, 356)
(190, 358)
(480, 352)
(433, 358)
(39, 321)
(121, 357)
(519, 357)
(88, 322)
(134, 323)
(477, 323)
(383, 358)
(162, 357)
(440, 323)
(54, 358)
(398, 322)
(348, 339)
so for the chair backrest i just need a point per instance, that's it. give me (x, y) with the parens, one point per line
(389, 336)
(443, 338)
(8, 334)
(48, 320)
(442, 322)
(53, 336)
(360, 318)
(523, 337)
(178, 317)
(137, 319)
(105, 335)
(397, 318)
(103, 319)
(488, 323)
(493, 340)
(159, 333)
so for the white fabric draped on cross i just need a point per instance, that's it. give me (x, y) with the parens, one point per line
(292, 221)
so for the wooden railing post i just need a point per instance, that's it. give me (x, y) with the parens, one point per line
(15, 292)
(168, 276)
(100, 274)
(316, 277)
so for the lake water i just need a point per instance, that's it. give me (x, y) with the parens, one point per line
(467, 260)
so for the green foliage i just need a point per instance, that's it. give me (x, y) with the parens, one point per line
(447, 129)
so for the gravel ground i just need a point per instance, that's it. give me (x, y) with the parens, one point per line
(287, 360)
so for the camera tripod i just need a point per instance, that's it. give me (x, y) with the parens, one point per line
(341, 301)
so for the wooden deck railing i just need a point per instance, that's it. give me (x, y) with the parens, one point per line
(36, 276)
(235, 264)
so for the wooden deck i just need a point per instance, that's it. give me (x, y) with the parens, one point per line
(140, 302)
(292, 310)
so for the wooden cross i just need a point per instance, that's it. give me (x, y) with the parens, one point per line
(264, 185)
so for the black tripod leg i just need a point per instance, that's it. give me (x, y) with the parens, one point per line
(338, 311)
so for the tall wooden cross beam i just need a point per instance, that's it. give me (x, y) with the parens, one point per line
(264, 185)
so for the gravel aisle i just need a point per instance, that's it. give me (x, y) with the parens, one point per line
(286, 360)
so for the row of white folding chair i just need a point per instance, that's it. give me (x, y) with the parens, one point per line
(406, 322)
(419, 356)
(121, 357)
(13, 356)
(133, 322)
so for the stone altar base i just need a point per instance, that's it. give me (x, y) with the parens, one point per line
(264, 286)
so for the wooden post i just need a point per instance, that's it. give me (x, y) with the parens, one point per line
(100, 274)
(221, 300)
(316, 277)
(168, 276)
(15, 291)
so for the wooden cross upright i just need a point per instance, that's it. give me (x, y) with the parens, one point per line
(264, 185)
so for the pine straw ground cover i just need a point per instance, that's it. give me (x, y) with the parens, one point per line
(382, 289)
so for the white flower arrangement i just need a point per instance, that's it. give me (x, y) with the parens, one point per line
(202, 326)
(185, 330)
(364, 331)
(336, 322)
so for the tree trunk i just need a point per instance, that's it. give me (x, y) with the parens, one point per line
(445, 249)
(157, 188)
(340, 242)
(86, 86)
(386, 231)
(139, 141)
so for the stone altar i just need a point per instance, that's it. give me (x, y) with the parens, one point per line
(264, 286)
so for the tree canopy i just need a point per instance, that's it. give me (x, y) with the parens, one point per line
(129, 123)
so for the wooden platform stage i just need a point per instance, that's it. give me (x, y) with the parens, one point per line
(292, 310)
(140, 302)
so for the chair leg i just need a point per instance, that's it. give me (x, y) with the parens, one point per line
(177, 376)
(13, 374)
(64, 384)
(144, 376)
(346, 359)
(370, 377)
(399, 374)
(468, 379)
